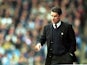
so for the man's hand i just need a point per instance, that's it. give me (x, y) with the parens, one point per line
(38, 47)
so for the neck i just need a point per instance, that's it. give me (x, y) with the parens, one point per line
(56, 22)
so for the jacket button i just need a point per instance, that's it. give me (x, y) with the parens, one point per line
(50, 56)
(51, 42)
(51, 49)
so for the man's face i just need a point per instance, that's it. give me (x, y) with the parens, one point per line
(55, 17)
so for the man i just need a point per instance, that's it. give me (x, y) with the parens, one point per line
(60, 39)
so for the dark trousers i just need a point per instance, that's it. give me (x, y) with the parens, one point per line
(60, 60)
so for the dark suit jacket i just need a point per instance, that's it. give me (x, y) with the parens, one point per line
(68, 39)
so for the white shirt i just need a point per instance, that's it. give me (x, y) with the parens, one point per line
(58, 24)
(6, 21)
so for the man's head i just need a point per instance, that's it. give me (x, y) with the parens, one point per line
(55, 14)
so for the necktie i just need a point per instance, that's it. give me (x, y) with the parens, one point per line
(56, 25)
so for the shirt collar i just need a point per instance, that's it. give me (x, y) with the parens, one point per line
(58, 24)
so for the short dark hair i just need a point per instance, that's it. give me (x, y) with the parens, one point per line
(57, 10)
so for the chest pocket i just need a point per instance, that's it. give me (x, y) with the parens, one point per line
(63, 34)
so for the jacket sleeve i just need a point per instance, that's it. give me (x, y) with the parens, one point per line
(72, 40)
(43, 36)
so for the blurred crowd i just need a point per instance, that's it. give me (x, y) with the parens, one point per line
(22, 22)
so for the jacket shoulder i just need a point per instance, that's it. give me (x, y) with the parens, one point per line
(48, 26)
(66, 24)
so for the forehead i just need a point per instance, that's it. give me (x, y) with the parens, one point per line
(54, 13)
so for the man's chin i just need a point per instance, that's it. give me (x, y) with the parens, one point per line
(55, 21)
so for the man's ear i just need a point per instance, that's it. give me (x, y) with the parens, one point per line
(62, 17)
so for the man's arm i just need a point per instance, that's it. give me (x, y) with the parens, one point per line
(72, 39)
(41, 41)
(72, 42)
